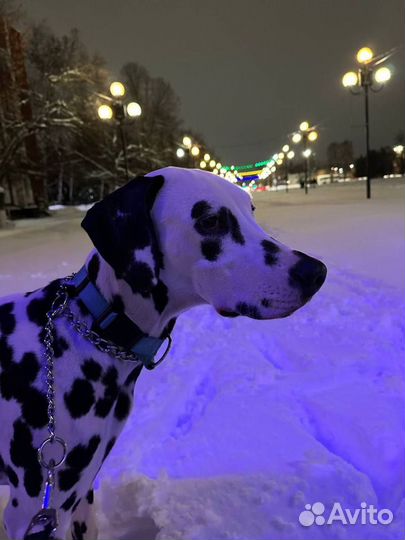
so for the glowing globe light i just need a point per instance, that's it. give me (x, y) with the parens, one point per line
(180, 153)
(212, 163)
(117, 89)
(349, 79)
(285, 148)
(207, 157)
(398, 149)
(134, 109)
(219, 165)
(195, 151)
(105, 112)
(290, 154)
(279, 162)
(296, 138)
(187, 142)
(306, 153)
(364, 55)
(382, 75)
(312, 136)
(304, 126)
(203, 164)
(281, 155)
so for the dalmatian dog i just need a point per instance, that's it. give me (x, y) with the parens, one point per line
(163, 243)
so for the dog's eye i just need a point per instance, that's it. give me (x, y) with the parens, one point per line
(209, 223)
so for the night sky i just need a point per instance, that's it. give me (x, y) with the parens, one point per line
(248, 72)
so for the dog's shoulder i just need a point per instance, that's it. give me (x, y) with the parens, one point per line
(22, 320)
(16, 309)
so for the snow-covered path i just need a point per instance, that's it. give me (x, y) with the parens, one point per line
(248, 421)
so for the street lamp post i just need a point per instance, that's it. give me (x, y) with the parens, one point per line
(289, 156)
(119, 111)
(364, 79)
(305, 134)
(399, 155)
(119, 114)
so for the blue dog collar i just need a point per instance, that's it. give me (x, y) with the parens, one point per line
(118, 327)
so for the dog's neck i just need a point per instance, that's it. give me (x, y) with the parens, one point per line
(140, 310)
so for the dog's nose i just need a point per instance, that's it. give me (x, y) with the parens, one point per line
(308, 274)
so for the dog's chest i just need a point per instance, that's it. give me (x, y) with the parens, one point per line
(93, 392)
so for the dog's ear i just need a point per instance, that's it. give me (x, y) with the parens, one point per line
(121, 229)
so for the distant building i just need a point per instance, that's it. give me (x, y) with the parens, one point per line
(21, 189)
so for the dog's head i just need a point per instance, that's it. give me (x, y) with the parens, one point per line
(200, 230)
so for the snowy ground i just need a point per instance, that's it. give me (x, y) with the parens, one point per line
(247, 421)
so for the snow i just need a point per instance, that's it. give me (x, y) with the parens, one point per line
(247, 421)
(54, 207)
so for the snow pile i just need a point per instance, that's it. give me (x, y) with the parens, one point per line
(248, 421)
(55, 207)
(84, 207)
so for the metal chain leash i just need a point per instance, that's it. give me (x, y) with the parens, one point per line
(45, 522)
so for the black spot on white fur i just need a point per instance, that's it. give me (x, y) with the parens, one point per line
(109, 447)
(91, 369)
(23, 454)
(236, 234)
(11, 475)
(69, 502)
(38, 307)
(76, 505)
(270, 252)
(248, 310)
(7, 318)
(76, 461)
(141, 278)
(132, 377)
(90, 496)
(215, 226)
(104, 404)
(200, 208)
(160, 296)
(79, 529)
(80, 398)
(6, 353)
(211, 249)
(16, 383)
(122, 406)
